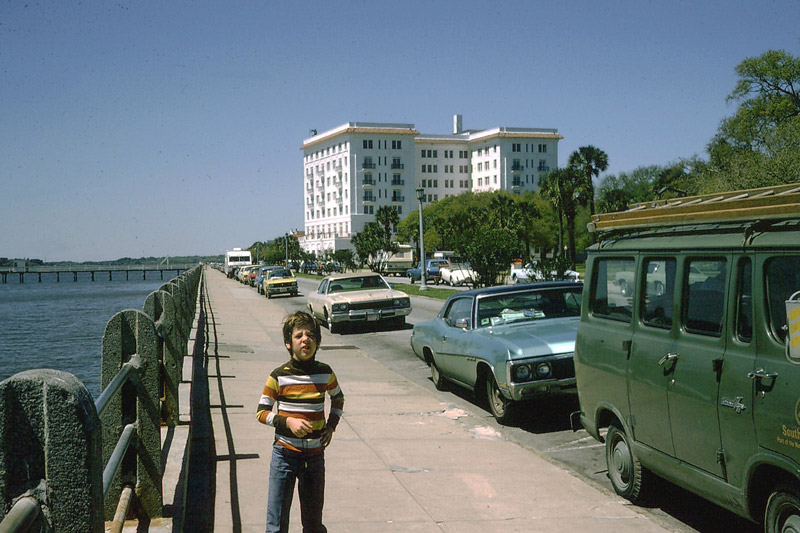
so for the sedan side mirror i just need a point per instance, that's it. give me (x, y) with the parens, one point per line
(462, 323)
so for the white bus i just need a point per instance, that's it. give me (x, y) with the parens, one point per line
(236, 258)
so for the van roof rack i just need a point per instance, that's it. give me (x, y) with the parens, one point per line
(763, 203)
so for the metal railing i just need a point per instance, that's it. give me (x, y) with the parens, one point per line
(77, 458)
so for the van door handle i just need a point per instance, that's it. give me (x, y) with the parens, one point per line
(762, 374)
(668, 357)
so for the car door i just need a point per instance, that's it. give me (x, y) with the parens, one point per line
(777, 371)
(653, 353)
(693, 382)
(452, 343)
(736, 390)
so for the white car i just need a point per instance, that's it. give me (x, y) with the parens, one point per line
(531, 272)
(457, 274)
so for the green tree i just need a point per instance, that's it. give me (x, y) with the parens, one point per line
(760, 144)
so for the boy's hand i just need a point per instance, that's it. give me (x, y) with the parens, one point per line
(327, 435)
(298, 426)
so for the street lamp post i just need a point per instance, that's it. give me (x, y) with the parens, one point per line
(286, 243)
(423, 280)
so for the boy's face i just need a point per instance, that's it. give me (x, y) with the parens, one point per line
(304, 344)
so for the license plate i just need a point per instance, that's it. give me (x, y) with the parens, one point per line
(373, 316)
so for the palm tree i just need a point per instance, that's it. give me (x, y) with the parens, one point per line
(588, 162)
(561, 188)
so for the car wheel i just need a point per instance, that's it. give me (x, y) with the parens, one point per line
(269, 295)
(438, 381)
(659, 288)
(627, 475)
(783, 511)
(514, 278)
(623, 287)
(499, 405)
(411, 279)
(331, 326)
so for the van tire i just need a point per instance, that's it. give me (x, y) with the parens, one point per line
(627, 475)
(783, 511)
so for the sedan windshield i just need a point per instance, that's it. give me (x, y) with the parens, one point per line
(357, 283)
(280, 273)
(529, 305)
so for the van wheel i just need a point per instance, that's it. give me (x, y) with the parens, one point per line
(436, 376)
(499, 405)
(783, 511)
(627, 475)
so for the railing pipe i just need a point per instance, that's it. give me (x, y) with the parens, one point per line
(115, 460)
(21, 516)
(128, 371)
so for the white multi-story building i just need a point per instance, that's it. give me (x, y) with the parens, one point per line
(352, 170)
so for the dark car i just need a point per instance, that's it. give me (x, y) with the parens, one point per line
(432, 273)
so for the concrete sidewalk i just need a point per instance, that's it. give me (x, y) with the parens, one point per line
(402, 459)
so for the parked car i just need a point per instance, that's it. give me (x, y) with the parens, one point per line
(509, 343)
(279, 281)
(457, 274)
(432, 271)
(519, 273)
(693, 365)
(261, 275)
(348, 298)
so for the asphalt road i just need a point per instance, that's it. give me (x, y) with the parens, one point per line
(543, 427)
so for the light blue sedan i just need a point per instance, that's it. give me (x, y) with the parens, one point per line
(511, 343)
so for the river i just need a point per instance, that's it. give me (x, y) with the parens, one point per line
(60, 325)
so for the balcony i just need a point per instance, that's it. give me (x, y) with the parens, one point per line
(398, 183)
(368, 198)
(398, 198)
(368, 181)
(516, 183)
(367, 164)
(397, 166)
(543, 168)
(517, 167)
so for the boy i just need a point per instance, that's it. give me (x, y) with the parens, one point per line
(298, 390)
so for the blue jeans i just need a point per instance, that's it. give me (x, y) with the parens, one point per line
(309, 470)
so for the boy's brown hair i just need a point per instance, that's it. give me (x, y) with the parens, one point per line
(300, 319)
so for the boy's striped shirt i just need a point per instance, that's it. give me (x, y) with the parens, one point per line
(297, 389)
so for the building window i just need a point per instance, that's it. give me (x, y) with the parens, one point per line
(516, 147)
(396, 145)
(542, 148)
(367, 144)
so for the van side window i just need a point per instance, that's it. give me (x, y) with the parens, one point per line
(704, 296)
(659, 276)
(744, 301)
(612, 286)
(782, 279)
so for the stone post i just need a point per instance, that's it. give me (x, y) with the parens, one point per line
(159, 306)
(50, 447)
(127, 333)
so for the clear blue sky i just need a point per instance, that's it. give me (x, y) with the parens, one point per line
(174, 128)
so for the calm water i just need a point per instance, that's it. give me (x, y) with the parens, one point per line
(60, 325)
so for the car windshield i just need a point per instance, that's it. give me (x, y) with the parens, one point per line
(357, 283)
(280, 273)
(529, 305)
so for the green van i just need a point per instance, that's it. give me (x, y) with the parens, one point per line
(685, 354)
